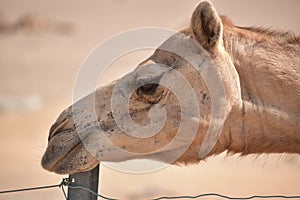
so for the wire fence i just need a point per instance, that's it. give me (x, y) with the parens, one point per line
(66, 182)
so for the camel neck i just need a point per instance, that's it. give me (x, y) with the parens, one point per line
(269, 118)
(257, 129)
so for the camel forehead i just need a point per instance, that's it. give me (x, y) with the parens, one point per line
(180, 51)
(178, 37)
(179, 45)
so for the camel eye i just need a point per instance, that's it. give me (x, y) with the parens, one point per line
(147, 88)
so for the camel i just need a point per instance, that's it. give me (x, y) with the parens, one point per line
(260, 71)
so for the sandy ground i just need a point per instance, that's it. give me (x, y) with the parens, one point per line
(38, 67)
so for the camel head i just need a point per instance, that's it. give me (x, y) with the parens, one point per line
(153, 123)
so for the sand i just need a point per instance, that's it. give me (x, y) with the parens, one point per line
(38, 66)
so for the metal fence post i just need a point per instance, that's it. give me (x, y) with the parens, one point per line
(87, 179)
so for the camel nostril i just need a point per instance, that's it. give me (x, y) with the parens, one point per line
(60, 126)
(56, 128)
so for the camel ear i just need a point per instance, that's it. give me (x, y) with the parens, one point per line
(206, 25)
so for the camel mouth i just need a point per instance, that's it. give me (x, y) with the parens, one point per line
(62, 140)
(56, 153)
(69, 156)
(65, 152)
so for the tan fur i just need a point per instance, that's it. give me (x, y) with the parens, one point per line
(261, 75)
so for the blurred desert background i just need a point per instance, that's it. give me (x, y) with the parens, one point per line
(42, 45)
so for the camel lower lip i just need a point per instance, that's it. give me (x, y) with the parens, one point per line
(54, 165)
(60, 166)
